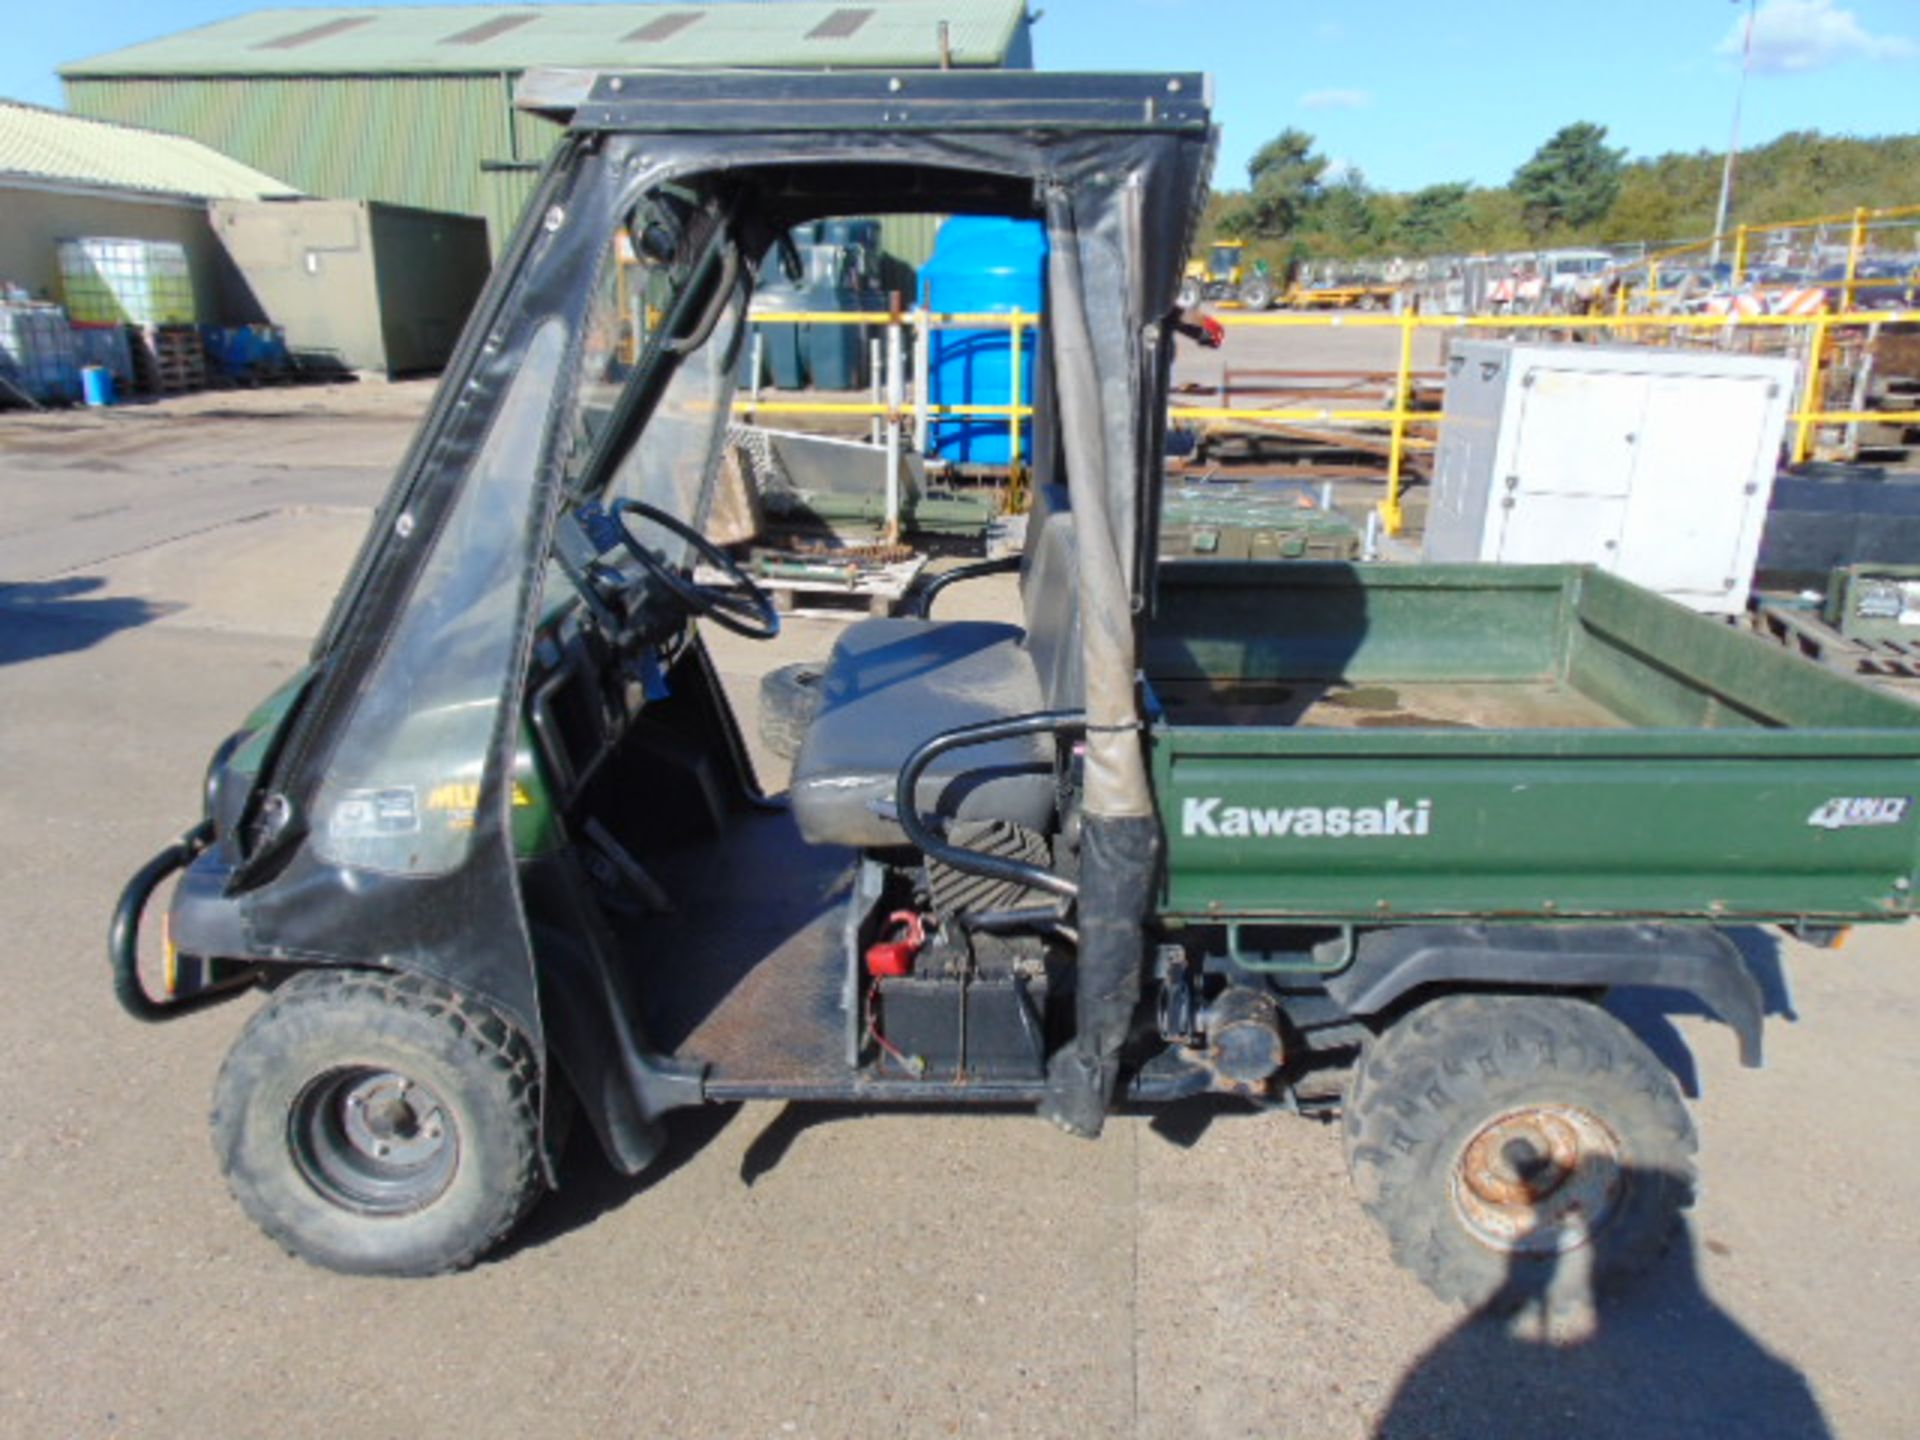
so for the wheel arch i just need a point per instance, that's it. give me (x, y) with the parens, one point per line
(1389, 965)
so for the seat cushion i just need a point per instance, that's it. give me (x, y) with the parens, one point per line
(890, 686)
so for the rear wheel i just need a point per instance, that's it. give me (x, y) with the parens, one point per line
(1257, 293)
(1496, 1137)
(380, 1124)
(1190, 295)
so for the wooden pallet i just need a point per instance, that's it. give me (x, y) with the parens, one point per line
(1894, 664)
(167, 359)
(834, 591)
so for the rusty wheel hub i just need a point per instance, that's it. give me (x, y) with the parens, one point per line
(1539, 1180)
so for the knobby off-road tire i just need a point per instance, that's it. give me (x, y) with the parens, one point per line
(380, 1124)
(789, 699)
(1518, 1149)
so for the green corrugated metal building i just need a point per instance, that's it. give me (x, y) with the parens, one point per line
(413, 106)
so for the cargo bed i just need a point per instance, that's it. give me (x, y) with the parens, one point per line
(1373, 743)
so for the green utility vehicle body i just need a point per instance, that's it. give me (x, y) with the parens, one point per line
(1394, 743)
(1312, 836)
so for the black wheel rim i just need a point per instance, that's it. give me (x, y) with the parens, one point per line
(373, 1141)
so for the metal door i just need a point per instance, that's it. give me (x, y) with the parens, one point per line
(1695, 491)
(1539, 528)
(1578, 429)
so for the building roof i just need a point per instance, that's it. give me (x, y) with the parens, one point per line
(496, 39)
(48, 146)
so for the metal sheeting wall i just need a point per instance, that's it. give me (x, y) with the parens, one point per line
(431, 141)
(909, 238)
(408, 140)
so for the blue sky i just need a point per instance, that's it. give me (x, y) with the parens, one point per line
(1409, 91)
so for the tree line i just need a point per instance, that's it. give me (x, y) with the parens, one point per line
(1574, 190)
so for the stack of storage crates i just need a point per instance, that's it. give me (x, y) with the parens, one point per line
(36, 355)
(247, 354)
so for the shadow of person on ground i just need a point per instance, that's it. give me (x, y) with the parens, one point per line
(39, 618)
(1646, 1357)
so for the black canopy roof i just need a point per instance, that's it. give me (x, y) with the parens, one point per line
(738, 101)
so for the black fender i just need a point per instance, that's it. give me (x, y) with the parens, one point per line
(592, 1033)
(1698, 959)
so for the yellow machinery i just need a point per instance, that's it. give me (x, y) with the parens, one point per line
(1227, 275)
(1324, 286)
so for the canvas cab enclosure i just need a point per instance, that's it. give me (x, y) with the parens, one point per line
(512, 698)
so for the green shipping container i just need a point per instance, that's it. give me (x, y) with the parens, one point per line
(356, 285)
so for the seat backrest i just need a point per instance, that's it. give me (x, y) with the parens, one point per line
(1050, 597)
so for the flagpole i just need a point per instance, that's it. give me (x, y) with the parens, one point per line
(1733, 144)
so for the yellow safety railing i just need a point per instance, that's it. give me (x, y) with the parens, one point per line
(893, 412)
(1859, 223)
(1399, 416)
(1013, 321)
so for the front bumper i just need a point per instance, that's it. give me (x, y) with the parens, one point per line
(191, 982)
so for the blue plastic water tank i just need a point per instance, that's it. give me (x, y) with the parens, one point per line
(981, 265)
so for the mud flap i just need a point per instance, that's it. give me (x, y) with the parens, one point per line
(623, 1088)
(1118, 858)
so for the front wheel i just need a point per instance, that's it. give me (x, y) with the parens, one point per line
(1257, 293)
(1494, 1136)
(380, 1124)
(1190, 295)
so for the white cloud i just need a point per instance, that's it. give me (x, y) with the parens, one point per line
(1336, 100)
(1793, 36)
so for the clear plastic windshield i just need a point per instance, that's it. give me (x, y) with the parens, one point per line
(671, 464)
(399, 794)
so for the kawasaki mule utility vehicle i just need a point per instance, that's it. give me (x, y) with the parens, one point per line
(1303, 834)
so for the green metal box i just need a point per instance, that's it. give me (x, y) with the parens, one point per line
(355, 284)
(1875, 602)
(1239, 523)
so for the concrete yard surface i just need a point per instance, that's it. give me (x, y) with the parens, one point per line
(792, 1270)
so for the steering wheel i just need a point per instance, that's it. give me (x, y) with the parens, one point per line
(740, 605)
